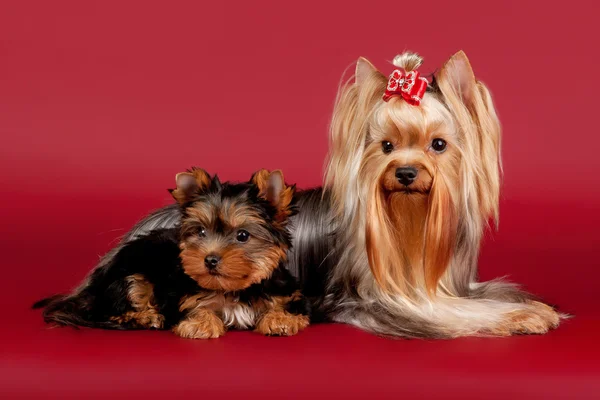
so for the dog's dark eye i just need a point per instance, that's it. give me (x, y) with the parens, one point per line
(202, 232)
(387, 147)
(242, 236)
(438, 145)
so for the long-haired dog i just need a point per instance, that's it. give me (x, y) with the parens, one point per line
(413, 180)
(222, 266)
(390, 243)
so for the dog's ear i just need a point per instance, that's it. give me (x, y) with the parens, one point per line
(348, 129)
(471, 103)
(364, 69)
(456, 78)
(272, 187)
(189, 184)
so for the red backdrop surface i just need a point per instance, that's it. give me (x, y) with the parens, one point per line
(101, 103)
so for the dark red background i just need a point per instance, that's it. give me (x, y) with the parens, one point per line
(102, 102)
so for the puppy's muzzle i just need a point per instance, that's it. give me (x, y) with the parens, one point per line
(212, 261)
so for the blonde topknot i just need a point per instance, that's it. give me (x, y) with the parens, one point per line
(408, 61)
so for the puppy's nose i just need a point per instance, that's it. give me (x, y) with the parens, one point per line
(406, 175)
(211, 261)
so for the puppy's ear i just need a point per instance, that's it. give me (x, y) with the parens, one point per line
(189, 184)
(364, 69)
(272, 187)
(216, 184)
(456, 79)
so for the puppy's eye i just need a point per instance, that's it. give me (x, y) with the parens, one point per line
(438, 145)
(242, 236)
(202, 232)
(387, 147)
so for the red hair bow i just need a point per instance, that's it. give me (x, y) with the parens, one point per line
(409, 85)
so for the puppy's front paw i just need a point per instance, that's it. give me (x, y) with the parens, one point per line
(203, 325)
(281, 323)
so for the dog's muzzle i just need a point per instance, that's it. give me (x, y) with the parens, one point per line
(406, 175)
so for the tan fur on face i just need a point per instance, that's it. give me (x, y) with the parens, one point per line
(242, 264)
(422, 184)
(236, 271)
(140, 294)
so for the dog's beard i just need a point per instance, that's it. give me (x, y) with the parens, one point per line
(410, 236)
(440, 233)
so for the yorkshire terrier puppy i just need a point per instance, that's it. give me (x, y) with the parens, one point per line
(222, 266)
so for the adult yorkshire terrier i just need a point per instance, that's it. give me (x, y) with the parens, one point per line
(413, 179)
(390, 243)
(222, 267)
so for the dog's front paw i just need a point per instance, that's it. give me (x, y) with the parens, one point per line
(203, 325)
(281, 323)
(537, 320)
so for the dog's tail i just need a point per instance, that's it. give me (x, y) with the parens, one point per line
(72, 310)
(44, 302)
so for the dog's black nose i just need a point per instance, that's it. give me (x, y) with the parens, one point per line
(211, 261)
(406, 175)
